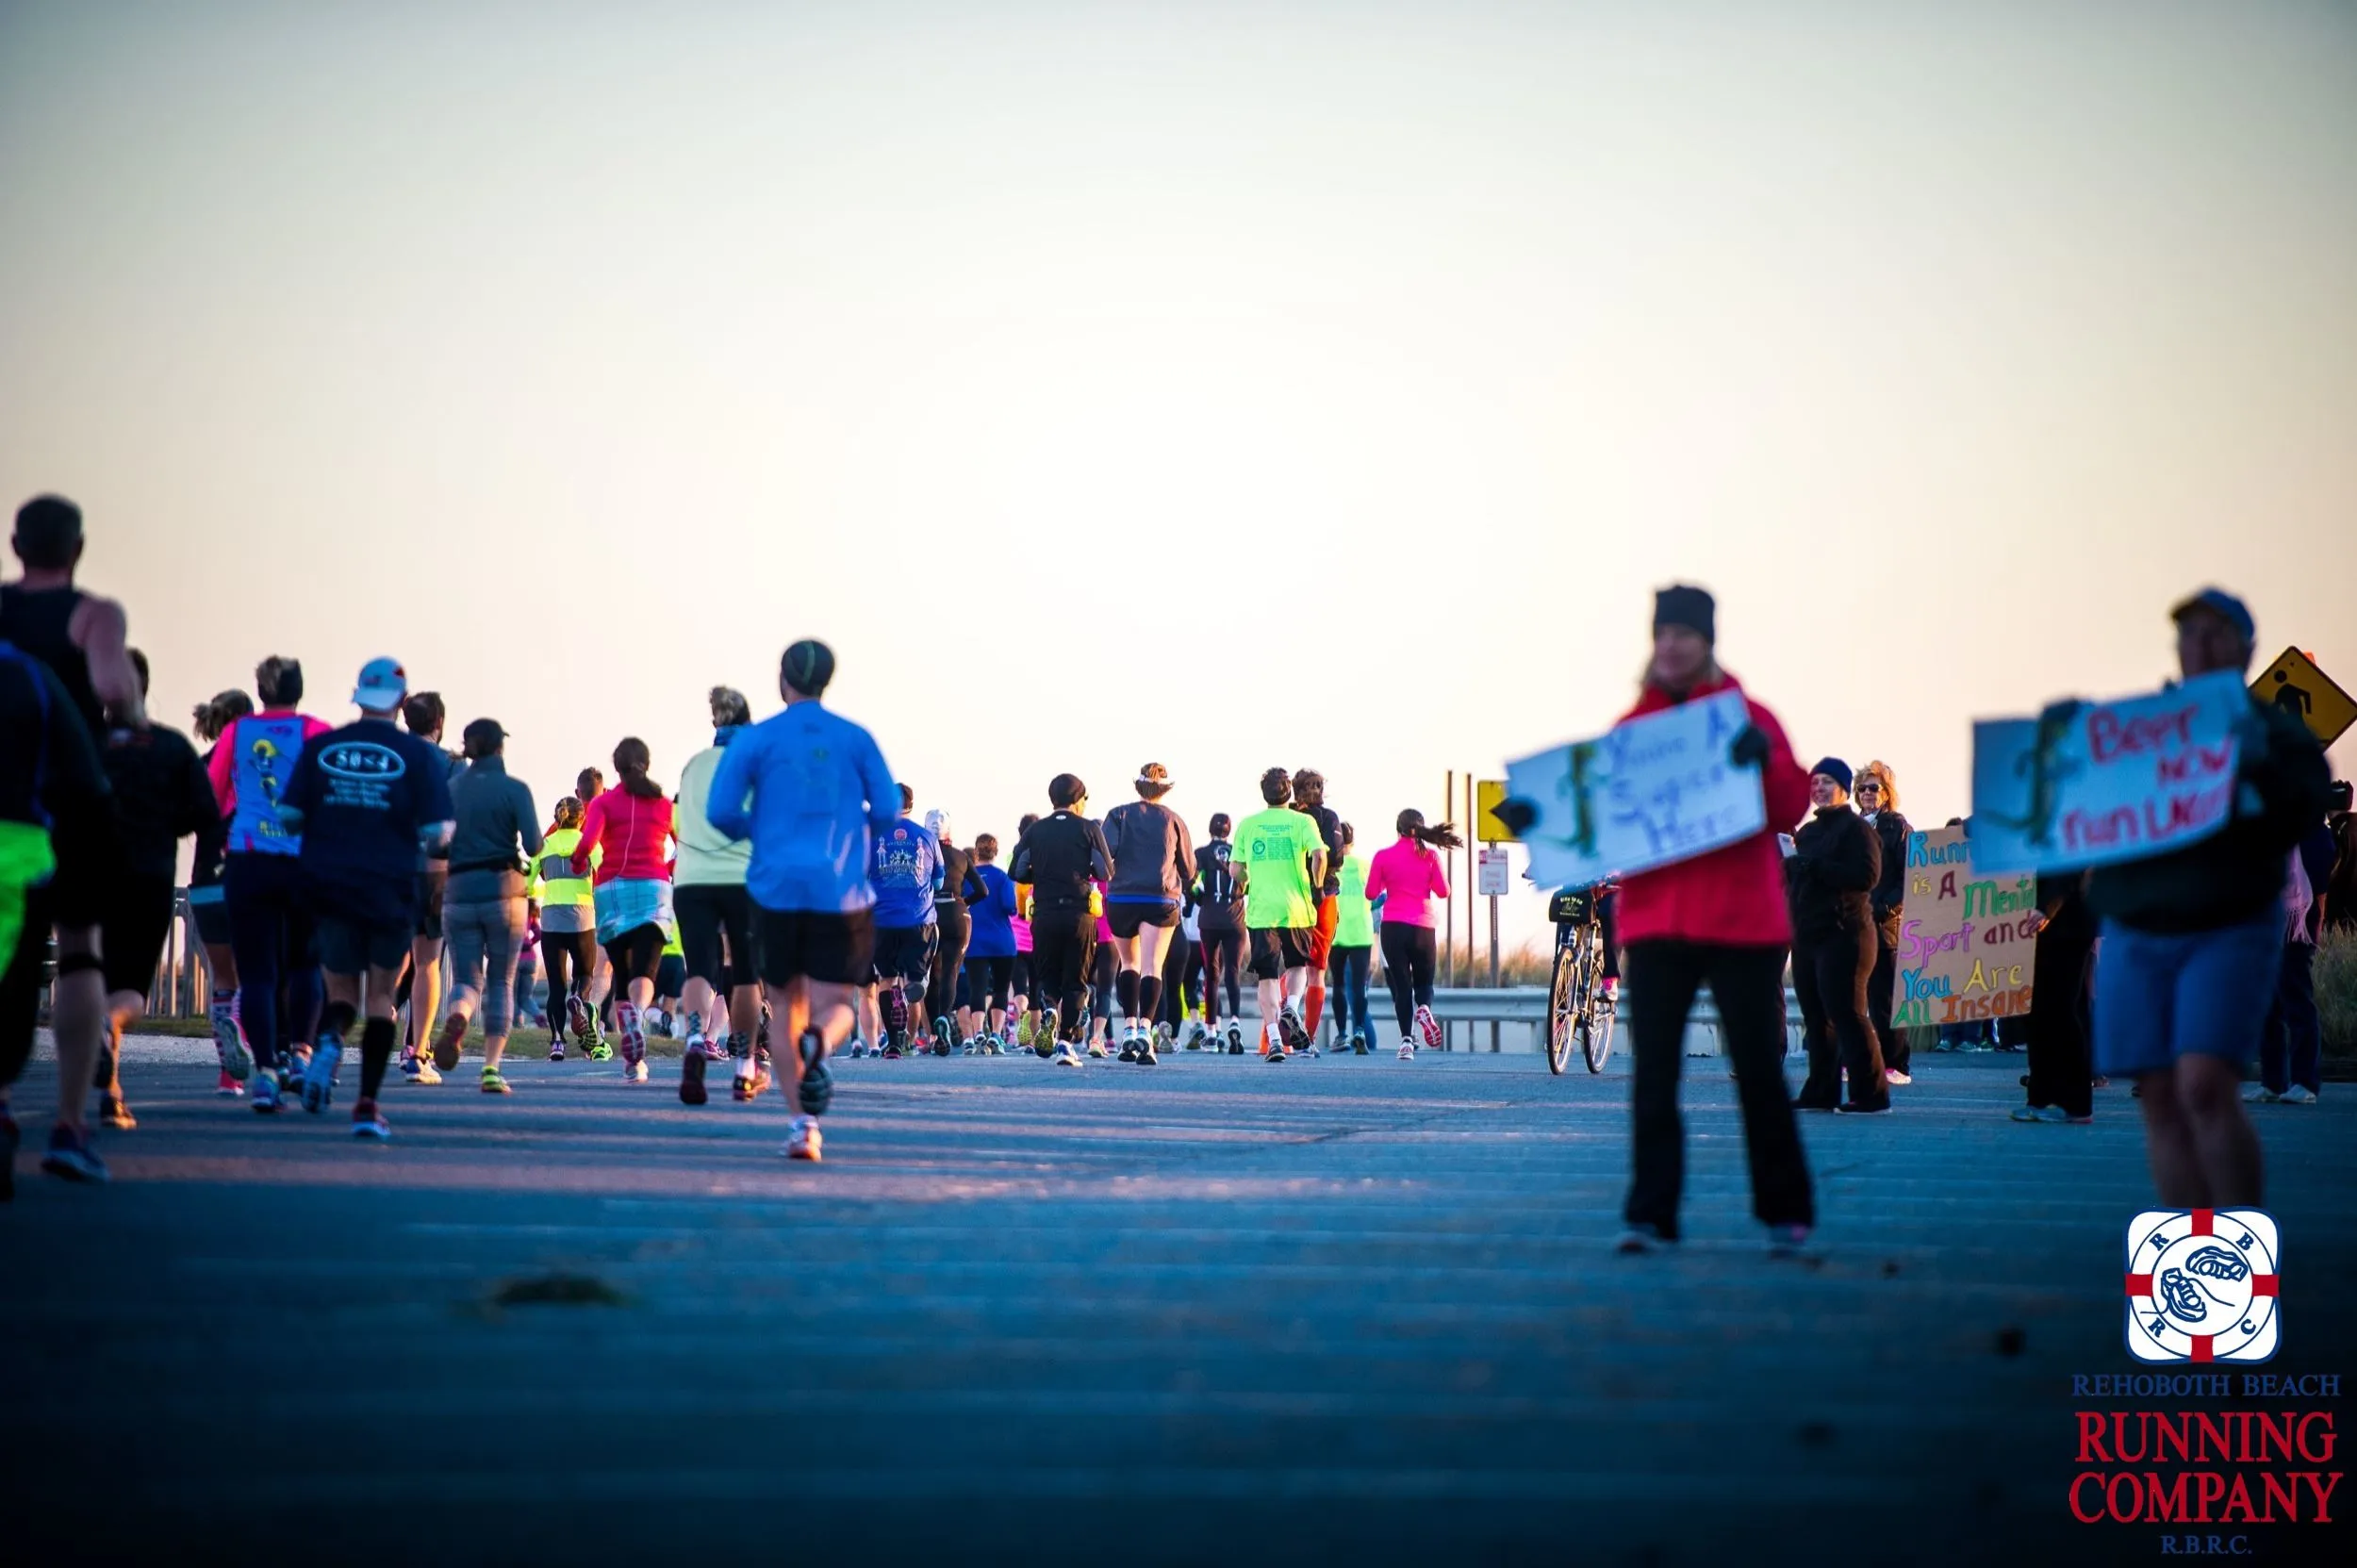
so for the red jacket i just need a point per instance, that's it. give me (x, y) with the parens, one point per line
(1733, 896)
(635, 833)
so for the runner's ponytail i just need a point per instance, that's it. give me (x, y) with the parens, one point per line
(1411, 825)
(631, 760)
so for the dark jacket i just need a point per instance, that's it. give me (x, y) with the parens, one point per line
(496, 818)
(2237, 873)
(1058, 859)
(161, 796)
(1837, 859)
(958, 886)
(1892, 831)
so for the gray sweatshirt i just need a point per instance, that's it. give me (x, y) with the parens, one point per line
(498, 833)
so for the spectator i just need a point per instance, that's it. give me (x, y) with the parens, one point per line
(1878, 803)
(1835, 866)
(2291, 1050)
(2061, 1079)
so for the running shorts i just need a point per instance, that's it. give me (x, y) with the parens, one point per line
(1277, 948)
(906, 953)
(1321, 937)
(348, 947)
(136, 919)
(1129, 919)
(670, 976)
(989, 981)
(1021, 985)
(831, 948)
(716, 932)
(430, 886)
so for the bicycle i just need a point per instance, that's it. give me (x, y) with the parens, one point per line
(1577, 1008)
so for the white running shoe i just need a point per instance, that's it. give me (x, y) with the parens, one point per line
(1900, 1079)
(1069, 1056)
(804, 1142)
(425, 1074)
(635, 1072)
(1407, 1049)
(1429, 1027)
(1097, 1049)
(2300, 1094)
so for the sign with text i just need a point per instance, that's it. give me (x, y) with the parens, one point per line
(1647, 793)
(2107, 782)
(1492, 880)
(2295, 683)
(1965, 949)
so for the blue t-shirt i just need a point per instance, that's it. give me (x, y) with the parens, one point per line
(906, 868)
(365, 791)
(808, 788)
(993, 916)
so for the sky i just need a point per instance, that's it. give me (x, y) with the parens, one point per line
(1221, 385)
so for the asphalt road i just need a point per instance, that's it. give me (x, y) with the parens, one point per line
(1347, 1310)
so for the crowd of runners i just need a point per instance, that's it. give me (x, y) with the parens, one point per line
(784, 902)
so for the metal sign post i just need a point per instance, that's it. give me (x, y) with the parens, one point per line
(1492, 885)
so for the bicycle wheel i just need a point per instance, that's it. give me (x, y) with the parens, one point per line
(1595, 1018)
(1564, 1001)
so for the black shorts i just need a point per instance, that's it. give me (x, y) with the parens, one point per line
(716, 933)
(1277, 948)
(210, 914)
(132, 928)
(1129, 919)
(832, 950)
(350, 947)
(430, 886)
(906, 952)
(670, 976)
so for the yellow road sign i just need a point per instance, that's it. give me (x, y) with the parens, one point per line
(2294, 682)
(1487, 828)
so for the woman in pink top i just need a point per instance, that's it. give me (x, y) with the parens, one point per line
(633, 825)
(1403, 880)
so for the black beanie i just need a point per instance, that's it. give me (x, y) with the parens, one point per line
(808, 666)
(1685, 605)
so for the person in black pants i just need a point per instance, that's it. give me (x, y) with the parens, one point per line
(2062, 1071)
(1060, 855)
(1219, 897)
(1836, 861)
(958, 889)
(1878, 803)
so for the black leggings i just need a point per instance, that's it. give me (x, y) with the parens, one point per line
(572, 958)
(1410, 956)
(1223, 964)
(1829, 976)
(941, 995)
(1062, 945)
(636, 954)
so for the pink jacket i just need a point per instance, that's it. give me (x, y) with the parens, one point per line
(634, 832)
(1408, 877)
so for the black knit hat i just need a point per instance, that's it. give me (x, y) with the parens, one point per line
(1683, 605)
(808, 666)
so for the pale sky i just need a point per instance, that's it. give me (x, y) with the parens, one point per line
(1221, 386)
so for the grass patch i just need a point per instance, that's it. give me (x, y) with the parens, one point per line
(558, 1290)
(2337, 992)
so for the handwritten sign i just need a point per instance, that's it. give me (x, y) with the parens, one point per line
(2107, 782)
(1965, 949)
(1646, 793)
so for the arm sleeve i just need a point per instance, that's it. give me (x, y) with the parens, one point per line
(1439, 876)
(527, 825)
(1183, 856)
(1100, 858)
(883, 794)
(1374, 879)
(1019, 866)
(592, 829)
(197, 813)
(727, 803)
(221, 768)
(112, 676)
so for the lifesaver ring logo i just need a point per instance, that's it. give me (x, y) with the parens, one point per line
(2203, 1284)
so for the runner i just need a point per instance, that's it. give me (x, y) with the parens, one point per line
(569, 935)
(1182, 980)
(1406, 879)
(957, 890)
(1219, 897)
(670, 980)
(1102, 971)
(209, 912)
(632, 824)
(1019, 1003)
(811, 790)
(1153, 862)
(423, 714)
(990, 956)
(715, 919)
(1059, 858)
(907, 874)
(269, 921)
(1347, 961)
(81, 639)
(1310, 798)
(486, 908)
(365, 799)
(55, 824)
(161, 796)
(1284, 857)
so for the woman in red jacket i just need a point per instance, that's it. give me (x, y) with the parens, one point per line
(1719, 917)
(633, 825)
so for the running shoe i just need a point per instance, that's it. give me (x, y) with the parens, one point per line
(9, 1138)
(368, 1122)
(1892, 1075)
(742, 1091)
(656, 1022)
(691, 1077)
(1023, 1031)
(892, 1052)
(228, 1088)
(1273, 1046)
(1407, 1049)
(945, 1036)
(409, 1065)
(804, 1142)
(2049, 1114)
(1291, 1029)
(717, 1050)
(1640, 1239)
(635, 1072)
(425, 1076)
(495, 1082)
(818, 1087)
(1429, 1027)
(1044, 1037)
(318, 1078)
(452, 1039)
(601, 1051)
(237, 1062)
(1866, 1108)
(556, 1047)
(1196, 1036)
(71, 1157)
(114, 1113)
(2300, 1094)
(263, 1086)
(761, 1081)
(1128, 1051)
(1358, 1043)
(577, 1019)
(1145, 1057)
(1235, 1039)
(1157, 1039)
(1097, 1049)
(696, 1047)
(1068, 1056)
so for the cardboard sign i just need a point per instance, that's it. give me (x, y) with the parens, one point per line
(1650, 792)
(2107, 782)
(2294, 682)
(1965, 949)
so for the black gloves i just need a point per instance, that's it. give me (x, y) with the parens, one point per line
(1515, 815)
(1749, 749)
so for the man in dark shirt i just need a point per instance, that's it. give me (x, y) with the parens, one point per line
(366, 797)
(1058, 858)
(1309, 800)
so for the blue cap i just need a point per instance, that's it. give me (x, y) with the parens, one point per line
(2225, 606)
(382, 685)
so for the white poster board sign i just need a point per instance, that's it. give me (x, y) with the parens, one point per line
(1647, 793)
(2108, 782)
(1493, 880)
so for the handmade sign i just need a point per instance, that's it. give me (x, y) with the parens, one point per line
(2107, 782)
(1646, 793)
(1965, 949)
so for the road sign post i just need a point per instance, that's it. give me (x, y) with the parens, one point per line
(1491, 884)
(2294, 682)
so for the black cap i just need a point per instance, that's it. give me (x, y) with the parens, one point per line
(1683, 605)
(483, 737)
(808, 666)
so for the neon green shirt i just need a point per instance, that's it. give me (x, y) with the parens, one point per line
(1354, 920)
(1274, 846)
